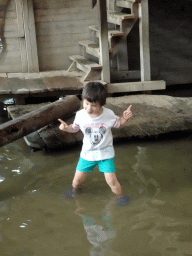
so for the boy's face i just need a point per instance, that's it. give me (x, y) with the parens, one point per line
(93, 109)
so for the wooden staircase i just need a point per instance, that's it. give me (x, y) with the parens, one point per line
(121, 16)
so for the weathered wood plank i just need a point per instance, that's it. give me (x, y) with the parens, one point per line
(35, 83)
(52, 41)
(4, 84)
(9, 21)
(149, 119)
(20, 20)
(49, 137)
(11, 64)
(12, 44)
(11, 28)
(8, 56)
(23, 49)
(35, 120)
(62, 82)
(84, 64)
(68, 138)
(64, 11)
(9, 14)
(57, 59)
(136, 86)
(51, 73)
(57, 28)
(10, 34)
(17, 83)
(117, 76)
(13, 55)
(156, 100)
(117, 106)
(11, 6)
(48, 40)
(39, 4)
(34, 140)
(16, 111)
(30, 36)
(64, 51)
(21, 34)
(153, 117)
(60, 17)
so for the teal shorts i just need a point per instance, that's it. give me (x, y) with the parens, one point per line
(107, 165)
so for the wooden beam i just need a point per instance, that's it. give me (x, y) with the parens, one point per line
(20, 20)
(125, 75)
(103, 42)
(136, 86)
(30, 36)
(37, 119)
(144, 41)
(21, 34)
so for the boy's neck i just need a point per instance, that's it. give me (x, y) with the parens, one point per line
(96, 115)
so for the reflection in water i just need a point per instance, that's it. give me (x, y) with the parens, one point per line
(165, 242)
(141, 165)
(99, 236)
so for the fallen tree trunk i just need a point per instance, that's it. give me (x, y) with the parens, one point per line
(28, 123)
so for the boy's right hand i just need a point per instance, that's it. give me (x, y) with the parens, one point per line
(63, 126)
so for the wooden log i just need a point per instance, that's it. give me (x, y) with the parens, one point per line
(28, 123)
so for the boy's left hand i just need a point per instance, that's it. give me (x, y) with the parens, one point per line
(127, 114)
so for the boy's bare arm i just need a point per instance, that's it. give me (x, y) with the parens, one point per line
(65, 127)
(127, 114)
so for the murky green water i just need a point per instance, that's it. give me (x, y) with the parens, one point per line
(36, 219)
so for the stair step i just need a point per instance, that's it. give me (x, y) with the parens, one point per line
(85, 64)
(111, 32)
(125, 4)
(91, 47)
(118, 17)
(91, 69)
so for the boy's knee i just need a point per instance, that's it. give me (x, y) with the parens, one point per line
(111, 179)
(79, 178)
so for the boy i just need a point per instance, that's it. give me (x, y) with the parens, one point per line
(96, 121)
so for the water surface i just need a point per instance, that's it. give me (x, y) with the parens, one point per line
(36, 219)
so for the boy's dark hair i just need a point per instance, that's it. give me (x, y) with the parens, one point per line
(95, 92)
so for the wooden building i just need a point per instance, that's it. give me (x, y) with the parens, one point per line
(49, 37)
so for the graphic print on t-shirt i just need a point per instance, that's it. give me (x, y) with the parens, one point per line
(95, 132)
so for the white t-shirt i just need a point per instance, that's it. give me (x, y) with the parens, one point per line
(98, 140)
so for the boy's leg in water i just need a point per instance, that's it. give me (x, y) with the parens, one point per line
(112, 181)
(78, 179)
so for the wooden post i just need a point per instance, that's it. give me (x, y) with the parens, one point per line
(30, 36)
(28, 123)
(103, 42)
(21, 35)
(144, 41)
